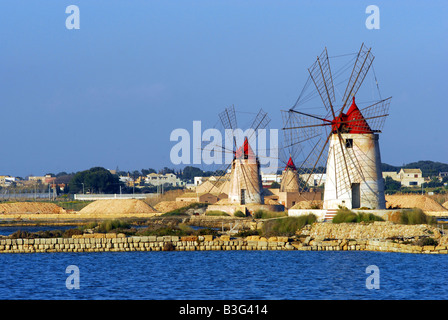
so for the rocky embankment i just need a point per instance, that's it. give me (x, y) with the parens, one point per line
(366, 231)
(377, 236)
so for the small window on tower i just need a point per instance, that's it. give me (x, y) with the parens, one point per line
(349, 143)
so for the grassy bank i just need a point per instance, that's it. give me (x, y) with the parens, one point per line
(416, 216)
(345, 215)
(196, 206)
(407, 217)
(286, 226)
(263, 214)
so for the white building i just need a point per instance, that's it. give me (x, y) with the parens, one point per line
(269, 178)
(407, 177)
(6, 181)
(314, 179)
(161, 179)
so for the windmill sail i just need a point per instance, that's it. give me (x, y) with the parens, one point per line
(361, 67)
(344, 141)
(320, 73)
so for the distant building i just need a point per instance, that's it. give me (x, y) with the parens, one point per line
(199, 180)
(268, 178)
(411, 177)
(407, 177)
(47, 179)
(6, 181)
(156, 179)
(127, 180)
(314, 179)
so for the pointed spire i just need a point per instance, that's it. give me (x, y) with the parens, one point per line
(245, 151)
(290, 164)
(355, 120)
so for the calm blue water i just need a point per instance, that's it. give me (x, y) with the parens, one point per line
(219, 275)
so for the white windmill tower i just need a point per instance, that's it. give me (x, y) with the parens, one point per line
(345, 143)
(243, 183)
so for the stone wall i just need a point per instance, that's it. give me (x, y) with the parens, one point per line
(113, 242)
(368, 245)
(378, 236)
(376, 230)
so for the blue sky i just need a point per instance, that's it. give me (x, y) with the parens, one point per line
(110, 93)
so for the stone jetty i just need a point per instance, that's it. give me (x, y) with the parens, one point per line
(377, 236)
(119, 242)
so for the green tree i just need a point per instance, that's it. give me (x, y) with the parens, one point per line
(275, 185)
(166, 170)
(434, 183)
(95, 180)
(429, 168)
(145, 172)
(190, 172)
(391, 185)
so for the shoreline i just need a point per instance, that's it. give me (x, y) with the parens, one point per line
(320, 236)
(112, 242)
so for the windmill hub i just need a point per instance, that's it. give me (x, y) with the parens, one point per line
(351, 122)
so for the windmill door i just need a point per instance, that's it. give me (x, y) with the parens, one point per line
(243, 196)
(356, 195)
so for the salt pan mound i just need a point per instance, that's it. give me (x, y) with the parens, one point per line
(167, 206)
(30, 207)
(445, 205)
(308, 204)
(413, 201)
(118, 206)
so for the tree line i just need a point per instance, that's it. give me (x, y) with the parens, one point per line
(101, 180)
(429, 168)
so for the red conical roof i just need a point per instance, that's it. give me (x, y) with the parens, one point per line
(245, 151)
(290, 165)
(351, 122)
(355, 120)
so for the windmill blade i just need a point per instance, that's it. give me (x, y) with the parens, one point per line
(345, 181)
(216, 186)
(299, 127)
(228, 121)
(376, 114)
(308, 136)
(228, 118)
(338, 173)
(260, 122)
(320, 73)
(315, 161)
(362, 65)
(360, 125)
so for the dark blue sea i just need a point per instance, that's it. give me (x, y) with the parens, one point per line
(223, 275)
